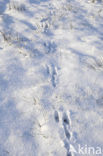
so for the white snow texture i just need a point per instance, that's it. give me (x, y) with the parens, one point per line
(51, 77)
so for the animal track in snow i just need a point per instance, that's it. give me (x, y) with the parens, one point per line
(65, 122)
(66, 125)
(56, 116)
(50, 47)
(52, 71)
(65, 119)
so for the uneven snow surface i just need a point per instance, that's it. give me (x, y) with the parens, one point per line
(51, 77)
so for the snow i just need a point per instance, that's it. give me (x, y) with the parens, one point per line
(51, 77)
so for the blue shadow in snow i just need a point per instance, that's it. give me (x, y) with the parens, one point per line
(3, 5)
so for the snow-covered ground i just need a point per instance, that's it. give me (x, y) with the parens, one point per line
(51, 77)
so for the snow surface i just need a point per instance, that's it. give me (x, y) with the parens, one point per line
(51, 77)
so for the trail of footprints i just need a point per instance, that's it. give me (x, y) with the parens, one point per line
(65, 121)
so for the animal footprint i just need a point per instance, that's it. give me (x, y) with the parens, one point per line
(65, 119)
(66, 125)
(56, 116)
(52, 71)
